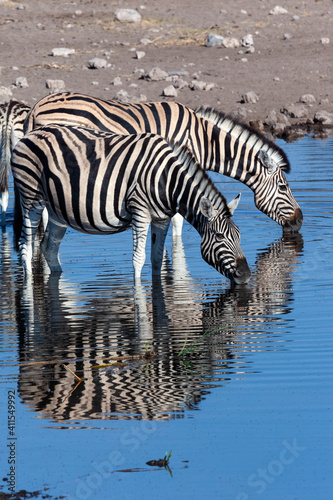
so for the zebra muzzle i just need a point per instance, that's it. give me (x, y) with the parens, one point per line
(242, 273)
(294, 223)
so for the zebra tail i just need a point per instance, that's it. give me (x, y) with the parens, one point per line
(18, 218)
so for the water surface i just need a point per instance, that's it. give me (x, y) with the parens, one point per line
(237, 382)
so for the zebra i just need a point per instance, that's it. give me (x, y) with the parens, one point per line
(12, 116)
(102, 183)
(219, 142)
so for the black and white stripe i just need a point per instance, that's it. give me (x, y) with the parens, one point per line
(103, 183)
(219, 142)
(12, 116)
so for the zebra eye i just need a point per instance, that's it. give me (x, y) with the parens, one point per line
(219, 236)
(282, 187)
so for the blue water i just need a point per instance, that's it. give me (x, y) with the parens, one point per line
(247, 411)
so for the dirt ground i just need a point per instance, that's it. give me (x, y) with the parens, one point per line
(291, 56)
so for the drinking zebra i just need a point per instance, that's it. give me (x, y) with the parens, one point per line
(218, 142)
(102, 183)
(12, 116)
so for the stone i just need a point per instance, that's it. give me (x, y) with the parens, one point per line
(139, 54)
(230, 43)
(117, 81)
(214, 40)
(308, 99)
(278, 10)
(55, 85)
(21, 82)
(250, 97)
(323, 117)
(170, 91)
(295, 111)
(157, 74)
(145, 41)
(97, 63)
(201, 85)
(247, 41)
(325, 41)
(127, 16)
(179, 83)
(62, 52)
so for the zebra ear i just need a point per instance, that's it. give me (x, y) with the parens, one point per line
(207, 208)
(233, 204)
(267, 161)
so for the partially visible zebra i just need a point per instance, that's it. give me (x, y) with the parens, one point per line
(12, 116)
(218, 142)
(103, 183)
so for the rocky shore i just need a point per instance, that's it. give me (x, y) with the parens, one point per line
(269, 65)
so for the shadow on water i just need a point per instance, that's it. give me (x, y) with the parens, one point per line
(102, 330)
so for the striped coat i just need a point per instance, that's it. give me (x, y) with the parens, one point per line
(218, 142)
(103, 183)
(12, 116)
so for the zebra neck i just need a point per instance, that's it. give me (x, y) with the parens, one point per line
(187, 201)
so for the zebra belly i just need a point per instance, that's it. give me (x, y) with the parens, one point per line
(94, 223)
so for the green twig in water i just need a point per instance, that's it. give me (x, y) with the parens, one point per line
(192, 347)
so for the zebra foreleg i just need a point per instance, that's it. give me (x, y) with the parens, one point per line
(55, 231)
(177, 225)
(140, 226)
(159, 229)
(31, 221)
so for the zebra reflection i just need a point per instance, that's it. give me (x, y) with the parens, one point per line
(82, 331)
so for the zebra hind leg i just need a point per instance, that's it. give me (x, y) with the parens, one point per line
(159, 229)
(55, 231)
(3, 205)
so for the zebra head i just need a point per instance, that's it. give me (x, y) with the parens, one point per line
(220, 243)
(273, 196)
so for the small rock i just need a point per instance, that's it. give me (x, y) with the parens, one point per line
(127, 16)
(55, 85)
(250, 97)
(170, 91)
(271, 119)
(179, 83)
(214, 40)
(97, 63)
(145, 41)
(307, 99)
(179, 72)
(140, 54)
(200, 85)
(295, 111)
(62, 52)
(325, 41)
(247, 41)
(157, 74)
(323, 117)
(117, 81)
(230, 43)
(287, 36)
(278, 10)
(21, 82)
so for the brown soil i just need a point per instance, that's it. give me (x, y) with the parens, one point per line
(279, 71)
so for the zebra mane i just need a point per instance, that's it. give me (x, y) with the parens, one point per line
(188, 160)
(236, 127)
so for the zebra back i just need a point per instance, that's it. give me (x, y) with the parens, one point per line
(219, 142)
